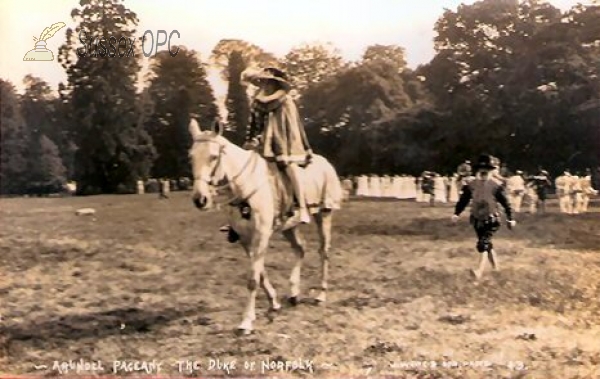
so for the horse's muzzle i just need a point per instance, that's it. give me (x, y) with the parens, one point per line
(200, 202)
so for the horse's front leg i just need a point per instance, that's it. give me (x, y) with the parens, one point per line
(256, 253)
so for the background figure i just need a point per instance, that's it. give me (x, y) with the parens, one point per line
(464, 171)
(531, 194)
(587, 190)
(563, 185)
(439, 186)
(375, 186)
(362, 186)
(163, 189)
(428, 187)
(447, 184)
(347, 187)
(398, 186)
(576, 194)
(420, 198)
(411, 187)
(454, 189)
(542, 184)
(516, 190)
(497, 174)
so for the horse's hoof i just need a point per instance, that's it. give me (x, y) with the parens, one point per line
(293, 300)
(275, 308)
(243, 332)
(232, 236)
(272, 313)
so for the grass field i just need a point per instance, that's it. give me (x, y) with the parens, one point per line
(147, 279)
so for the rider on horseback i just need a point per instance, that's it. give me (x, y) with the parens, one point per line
(276, 129)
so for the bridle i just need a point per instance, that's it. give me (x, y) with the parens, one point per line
(210, 181)
(234, 200)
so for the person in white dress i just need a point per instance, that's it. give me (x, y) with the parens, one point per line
(362, 186)
(439, 189)
(515, 186)
(375, 186)
(454, 187)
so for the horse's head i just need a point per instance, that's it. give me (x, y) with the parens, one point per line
(205, 156)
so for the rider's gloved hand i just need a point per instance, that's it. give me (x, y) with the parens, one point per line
(282, 162)
(309, 156)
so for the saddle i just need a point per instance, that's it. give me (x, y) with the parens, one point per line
(284, 197)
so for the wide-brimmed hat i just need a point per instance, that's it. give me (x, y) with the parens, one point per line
(255, 76)
(486, 162)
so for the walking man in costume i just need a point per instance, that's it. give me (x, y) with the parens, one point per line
(484, 192)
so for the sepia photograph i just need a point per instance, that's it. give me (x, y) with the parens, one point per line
(300, 189)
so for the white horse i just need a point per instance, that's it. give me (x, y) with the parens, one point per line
(255, 184)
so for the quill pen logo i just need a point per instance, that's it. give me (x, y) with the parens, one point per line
(41, 53)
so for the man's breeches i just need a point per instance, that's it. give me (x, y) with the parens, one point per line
(485, 229)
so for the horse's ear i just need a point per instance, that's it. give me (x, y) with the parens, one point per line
(217, 127)
(194, 128)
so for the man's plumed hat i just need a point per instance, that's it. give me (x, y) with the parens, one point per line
(486, 162)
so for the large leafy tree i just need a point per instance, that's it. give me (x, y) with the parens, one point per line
(390, 54)
(510, 76)
(345, 115)
(310, 64)
(178, 88)
(14, 141)
(114, 150)
(45, 170)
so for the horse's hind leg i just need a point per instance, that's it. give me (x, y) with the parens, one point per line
(324, 222)
(298, 245)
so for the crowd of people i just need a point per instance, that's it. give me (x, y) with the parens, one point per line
(572, 190)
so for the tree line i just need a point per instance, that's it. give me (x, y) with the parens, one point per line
(519, 80)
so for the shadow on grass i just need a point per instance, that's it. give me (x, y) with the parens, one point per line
(52, 332)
